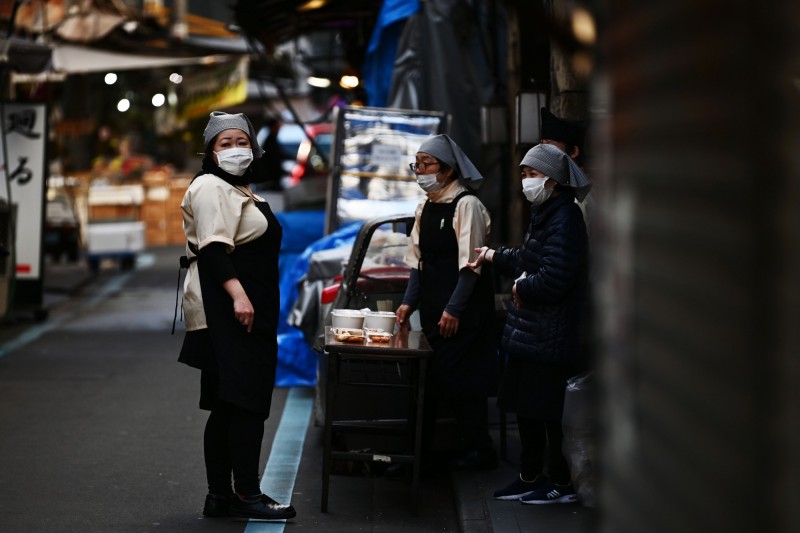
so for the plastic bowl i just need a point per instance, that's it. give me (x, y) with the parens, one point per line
(347, 318)
(384, 320)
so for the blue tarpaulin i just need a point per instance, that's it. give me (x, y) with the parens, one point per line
(300, 228)
(297, 362)
(382, 49)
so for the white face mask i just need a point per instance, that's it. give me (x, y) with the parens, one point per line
(534, 191)
(235, 160)
(428, 182)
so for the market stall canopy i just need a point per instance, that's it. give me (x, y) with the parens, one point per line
(273, 22)
(88, 27)
(96, 35)
(24, 56)
(74, 59)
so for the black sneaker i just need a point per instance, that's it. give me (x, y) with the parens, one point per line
(519, 488)
(551, 493)
(260, 509)
(216, 506)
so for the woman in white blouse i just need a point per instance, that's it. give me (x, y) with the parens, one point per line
(231, 301)
(456, 304)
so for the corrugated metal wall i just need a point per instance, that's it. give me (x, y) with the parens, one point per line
(698, 244)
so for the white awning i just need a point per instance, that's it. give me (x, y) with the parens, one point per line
(73, 59)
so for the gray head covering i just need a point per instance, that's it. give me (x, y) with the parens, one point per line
(221, 121)
(557, 164)
(448, 152)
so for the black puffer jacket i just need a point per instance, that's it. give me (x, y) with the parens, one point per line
(554, 255)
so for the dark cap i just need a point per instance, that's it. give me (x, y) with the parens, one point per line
(219, 121)
(571, 132)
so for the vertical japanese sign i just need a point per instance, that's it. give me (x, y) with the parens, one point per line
(24, 127)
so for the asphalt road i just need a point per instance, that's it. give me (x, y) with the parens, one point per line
(101, 430)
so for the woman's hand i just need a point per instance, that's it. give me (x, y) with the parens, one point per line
(244, 312)
(242, 307)
(517, 301)
(448, 325)
(403, 315)
(484, 254)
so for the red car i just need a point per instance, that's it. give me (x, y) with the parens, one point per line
(306, 186)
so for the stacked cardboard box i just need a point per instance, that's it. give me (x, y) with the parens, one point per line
(161, 210)
(156, 202)
(177, 189)
(115, 203)
(102, 213)
(154, 215)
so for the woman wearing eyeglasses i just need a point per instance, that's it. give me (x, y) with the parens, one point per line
(456, 303)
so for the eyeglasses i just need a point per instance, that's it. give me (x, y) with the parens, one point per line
(416, 167)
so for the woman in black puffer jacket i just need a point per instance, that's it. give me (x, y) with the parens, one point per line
(542, 331)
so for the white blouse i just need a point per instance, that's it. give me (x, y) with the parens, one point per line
(471, 222)
(214, 211)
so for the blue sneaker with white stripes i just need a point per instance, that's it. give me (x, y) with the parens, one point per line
(551, 493)
(519, 488)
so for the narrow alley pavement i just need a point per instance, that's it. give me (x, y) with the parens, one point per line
(101, 430)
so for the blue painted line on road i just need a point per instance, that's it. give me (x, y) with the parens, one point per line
(287, 447)
(33, 333)
(287, 450)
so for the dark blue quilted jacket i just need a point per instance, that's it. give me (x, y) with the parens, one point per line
(555, 257)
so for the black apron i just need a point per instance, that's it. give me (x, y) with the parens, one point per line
(246, 362)
(462, 364)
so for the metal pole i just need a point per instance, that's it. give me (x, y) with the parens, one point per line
(180, 28)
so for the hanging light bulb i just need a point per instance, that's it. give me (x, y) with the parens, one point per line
(318, 82)
(348, 82)
(583, 26)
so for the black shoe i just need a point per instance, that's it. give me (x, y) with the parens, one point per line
(260, 508)
(520, 488)
(551, 493)
(216, 506)
(483, 459)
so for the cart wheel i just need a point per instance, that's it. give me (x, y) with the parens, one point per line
(40, 315)
(94, 265)
(127, 263)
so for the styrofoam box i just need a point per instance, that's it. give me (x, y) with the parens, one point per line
(115, 237)
(116, 195)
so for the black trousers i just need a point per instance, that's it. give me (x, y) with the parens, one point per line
(541, 450)
(232, 445)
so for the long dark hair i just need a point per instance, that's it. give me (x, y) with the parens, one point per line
(210, 147)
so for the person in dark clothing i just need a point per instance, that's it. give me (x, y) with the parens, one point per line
(456, 303)
(268, 169)
(569, 135)
(542, 331)
(231, 303)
